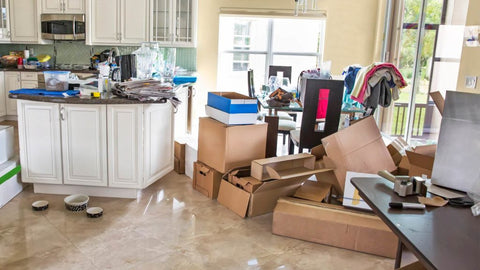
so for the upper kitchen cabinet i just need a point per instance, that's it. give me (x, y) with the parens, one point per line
(4, 22)
(174, 22)
(118, 21)
(63, 6)
(24, 21)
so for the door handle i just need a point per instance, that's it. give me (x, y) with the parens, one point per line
(62, 114)
(73, 26)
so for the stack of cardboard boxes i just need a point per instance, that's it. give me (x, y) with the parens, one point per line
(10, 186)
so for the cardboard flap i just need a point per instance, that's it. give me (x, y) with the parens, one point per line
(313, 191)
(203, 170)
(439, 100)
(274, 184)
(267, 161)
(327, 163)
(420, 160)
(427, 150)
(248, 184)
(318, 151)
(292, 173)
(236, 98)
(281, 163)
(233, 198)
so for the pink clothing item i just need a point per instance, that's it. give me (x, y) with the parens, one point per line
(361, 95)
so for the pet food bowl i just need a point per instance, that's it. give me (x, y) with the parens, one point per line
(40, 205)
(76, 202)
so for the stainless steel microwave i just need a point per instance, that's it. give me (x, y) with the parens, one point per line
(63, 26)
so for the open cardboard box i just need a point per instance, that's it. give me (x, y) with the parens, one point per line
(421, 160)
(179, 157)
(284, 167)
(333, 225)
(358, 148)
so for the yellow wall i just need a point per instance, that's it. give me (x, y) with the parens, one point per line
(470, 61)
(352, 33)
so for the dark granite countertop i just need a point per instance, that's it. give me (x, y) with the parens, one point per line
(106, 98)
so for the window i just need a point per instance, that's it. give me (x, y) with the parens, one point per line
(258, 42)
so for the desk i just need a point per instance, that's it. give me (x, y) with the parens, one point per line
(441, 238)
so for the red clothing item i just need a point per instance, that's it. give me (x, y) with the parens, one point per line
(361, 95)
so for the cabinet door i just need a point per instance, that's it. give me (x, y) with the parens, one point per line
(105, 21)
(12, 82)
(185, 21)
(3, 96)
(158, 141)
(84, 144)
(134, 21)
(162, 20)
(29, 84)
(39, 137)
(125, 144)
(74, 6)
(52, 6)
(4, 21)
(24, 20)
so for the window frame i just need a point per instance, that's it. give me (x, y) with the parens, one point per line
(269, 53)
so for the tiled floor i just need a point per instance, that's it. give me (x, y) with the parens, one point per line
(168, 226)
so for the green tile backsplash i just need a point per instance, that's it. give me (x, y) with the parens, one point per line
(76, 52)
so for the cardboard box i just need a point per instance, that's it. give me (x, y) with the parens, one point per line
(231, 118)
(6, 143)
(206, 180)
(313, 191)
(333, 225)
(259, 202)
(231, 102)
(10, 185)
(358, 148)
(241, 178)
(190, 157)
(421, 160)
(224, 147)
(286, 166)
(179, 157)
(438, 100)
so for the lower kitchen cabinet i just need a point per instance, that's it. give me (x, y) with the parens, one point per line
(113, 146)
(84, 144)
(40, 142)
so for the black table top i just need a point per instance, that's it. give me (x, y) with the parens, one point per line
(441, 237)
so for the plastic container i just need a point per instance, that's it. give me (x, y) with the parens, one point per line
(56, 80)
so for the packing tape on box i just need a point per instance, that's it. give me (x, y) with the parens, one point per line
(9, 174)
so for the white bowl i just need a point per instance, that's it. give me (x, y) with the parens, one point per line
(76, 202)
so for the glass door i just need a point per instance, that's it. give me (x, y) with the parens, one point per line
(422, 42)
(4, 25)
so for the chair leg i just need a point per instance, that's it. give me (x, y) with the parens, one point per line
(283, 138)
(300, 149)
(291, 146)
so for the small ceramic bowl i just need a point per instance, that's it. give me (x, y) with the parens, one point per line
(94, 212)
(76, 202)
(40, 205)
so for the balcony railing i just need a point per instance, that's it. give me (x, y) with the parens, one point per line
(421, 124)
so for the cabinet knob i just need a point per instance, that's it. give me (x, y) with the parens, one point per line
(62, 114)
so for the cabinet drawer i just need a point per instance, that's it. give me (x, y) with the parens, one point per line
(28, 76)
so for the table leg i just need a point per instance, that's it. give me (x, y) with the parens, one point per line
(272, 136)
(398, 259)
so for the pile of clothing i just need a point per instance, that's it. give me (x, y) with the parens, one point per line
(145, 90)
(373, 85)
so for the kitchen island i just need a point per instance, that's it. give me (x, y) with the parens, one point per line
(108, 146)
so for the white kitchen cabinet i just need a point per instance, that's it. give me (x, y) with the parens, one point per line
(125, 22)
(24, 21)
(84, 144)
(63, 6)
(29, 84)
(39, 137)
(4, 21)
(158, 141)
(3, 95)
(12, 82)
(125, 145)
(174, 22)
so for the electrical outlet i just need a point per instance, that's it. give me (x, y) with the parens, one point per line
(471, 82)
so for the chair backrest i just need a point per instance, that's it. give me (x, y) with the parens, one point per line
(251, 87)
(323, 99)
(287, 71)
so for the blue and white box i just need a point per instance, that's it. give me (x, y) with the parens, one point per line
(231, 118)
(6, 143)
(10, 185)
(231, 102)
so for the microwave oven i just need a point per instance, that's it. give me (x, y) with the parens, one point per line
(63, 26)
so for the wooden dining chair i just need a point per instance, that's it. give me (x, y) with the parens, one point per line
(286, 122)
(321, 114)
(287, 71)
